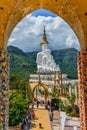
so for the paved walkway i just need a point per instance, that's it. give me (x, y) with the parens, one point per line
(41, 116)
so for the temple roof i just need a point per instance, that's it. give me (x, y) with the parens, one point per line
(44, 38)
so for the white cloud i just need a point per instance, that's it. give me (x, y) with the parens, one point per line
(69, 41)
(28, 33)
(72, 42)
(12, 39)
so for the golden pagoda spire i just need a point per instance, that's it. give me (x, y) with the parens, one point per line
(44, 38)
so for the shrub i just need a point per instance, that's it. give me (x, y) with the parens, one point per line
(17, 108)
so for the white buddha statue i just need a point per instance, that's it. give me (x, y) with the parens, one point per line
(44, 60)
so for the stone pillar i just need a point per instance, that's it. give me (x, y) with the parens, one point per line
(4, 90)
(82, 88)
(64, 91)
(33, 100)
(61, 91)
(70, 90)
(46, 95)
(76, 94)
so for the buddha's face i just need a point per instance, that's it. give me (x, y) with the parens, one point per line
(44, 47)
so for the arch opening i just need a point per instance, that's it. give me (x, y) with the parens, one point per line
(51, 34)
(68, 10)
(56, 28)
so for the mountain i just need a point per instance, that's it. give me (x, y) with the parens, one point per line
(67, 60)
(22, 63)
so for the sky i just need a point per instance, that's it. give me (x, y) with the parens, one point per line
(28, 32)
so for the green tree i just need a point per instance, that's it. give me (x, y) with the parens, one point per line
(14, 81)
(72, 98)
(20, 84)
(17, 108)
(68, 109)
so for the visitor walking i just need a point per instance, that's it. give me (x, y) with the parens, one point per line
(26, 121)
(33, 114)
(37, 103)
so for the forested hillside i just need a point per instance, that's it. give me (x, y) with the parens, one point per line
(23, 63)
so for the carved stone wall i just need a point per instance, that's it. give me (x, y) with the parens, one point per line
(4, 90)
(74, 12)
(82, 87)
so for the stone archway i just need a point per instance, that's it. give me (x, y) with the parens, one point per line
(73, 12)
(18, 10)
(35, 85)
